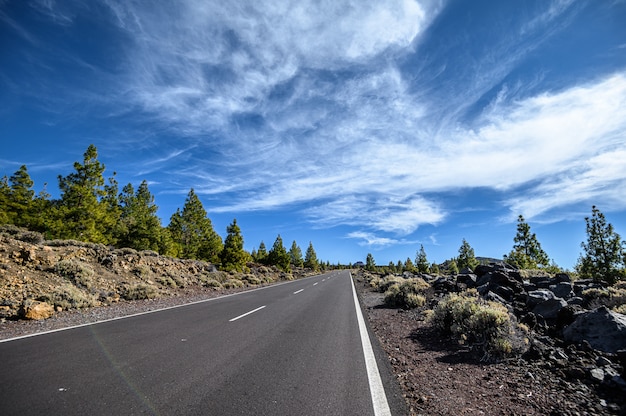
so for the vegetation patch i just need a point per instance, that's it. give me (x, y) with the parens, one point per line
(77, 272)
(252, 279)
(385, 283)
(70, 297)
(408, 294)
(212, 283)
(139, 291)
(487, 327)
(612, 297)
(233, 284)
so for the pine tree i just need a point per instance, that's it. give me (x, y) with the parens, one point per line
(20, 198)
(409, 266)
(233, 255)
(421, 261)
(310, 258)
(603, 259)
(278, 255)
(370, 263)
(5, 198)
(527, 252)
(140, 226)
(453, 267)
(399, 266)
(261, 254)
(295, 255)
(42, 211)
(193, 233)
(466, 258)
(111, 202)
(80, 214)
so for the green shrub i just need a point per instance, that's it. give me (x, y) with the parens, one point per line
(385, 283)
(620, 309)
(31, 237)
(71, 297)
(166, 281)
(233, 284)
(139, 291)
(611, 297)
(374, 282)
(142, 271)
(252, 279)
(487, 327)
(77, 272)
(212, 283)
(408, 294)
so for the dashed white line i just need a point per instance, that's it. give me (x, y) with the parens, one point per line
(315, 283)
(246, 314)
(298, 291)
(379, 398)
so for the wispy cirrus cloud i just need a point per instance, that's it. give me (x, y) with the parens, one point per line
(336, 108)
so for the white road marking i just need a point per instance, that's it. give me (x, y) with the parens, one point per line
(298, 291)
(379, 398)
(315, 283)
(246, 314)
(182, 305)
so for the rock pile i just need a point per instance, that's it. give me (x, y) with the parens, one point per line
(571, 334)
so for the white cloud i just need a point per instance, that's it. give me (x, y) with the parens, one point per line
(371, 240)
(298, 103)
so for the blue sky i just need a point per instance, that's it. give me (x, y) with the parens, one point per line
(364, 127)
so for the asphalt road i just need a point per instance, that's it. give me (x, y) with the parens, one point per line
(288, 349)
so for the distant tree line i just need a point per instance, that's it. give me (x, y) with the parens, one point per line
(603, 258)
(94, 210)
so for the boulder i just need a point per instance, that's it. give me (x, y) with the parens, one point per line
(563, 278)
(562, 290)
(550, 308)
(535, 297)
(604, 329)
(35, 310)
(541, 281)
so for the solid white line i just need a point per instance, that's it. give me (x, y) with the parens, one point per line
(379, 398)
(298, 291)
(246, 314)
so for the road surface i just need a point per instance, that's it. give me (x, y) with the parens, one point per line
(290, 349)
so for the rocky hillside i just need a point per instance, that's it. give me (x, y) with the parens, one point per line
(39, 278)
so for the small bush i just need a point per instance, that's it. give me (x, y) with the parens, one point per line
(165, 281)
(139, 291)
(125, 251)
(611, 297)
(388, 281)
(487, 327)
(407, 295)
(620, 309)
(233, 284)
(142, 271)
(31, 237)
(212, 283)
(71, 297)
(77, 272)
(374, 282)
(252, 279)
